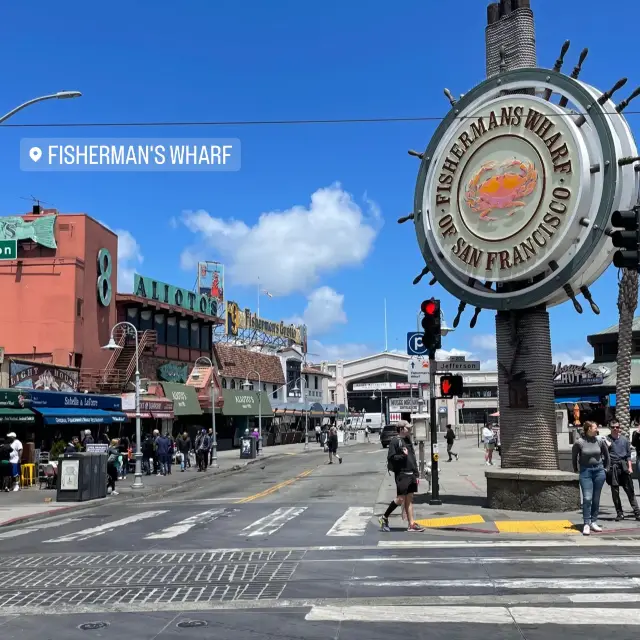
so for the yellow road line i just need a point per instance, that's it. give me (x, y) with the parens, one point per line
(450, 522)
(536, 526)
(274, 488)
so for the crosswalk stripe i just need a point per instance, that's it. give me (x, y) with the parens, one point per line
(36, 527)
(477, 615)
(188, 523)
(353, 522)
(274, 521)
(85, 534)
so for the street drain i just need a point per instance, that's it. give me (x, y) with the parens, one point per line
(92, 626)
(192, 624)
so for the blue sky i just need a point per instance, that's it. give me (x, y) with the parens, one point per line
(330, 247)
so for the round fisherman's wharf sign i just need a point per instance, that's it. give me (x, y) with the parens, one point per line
(506, 188)
(515, 192)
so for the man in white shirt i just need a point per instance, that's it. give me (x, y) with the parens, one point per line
(15, 459)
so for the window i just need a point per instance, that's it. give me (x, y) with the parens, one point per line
(306, 381)
(224, 383)
(315, 382)
(205, 338)
(333, 397)
(274, 395)
(146, 320)
(172, 330)
(195, 335)
(183, 333)
(161, 327)
(133, 317)
(233, 384)
(480, 392)
(79, 305)
(293, 375)
(264, 386)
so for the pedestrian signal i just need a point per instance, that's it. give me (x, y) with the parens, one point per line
(451, 386)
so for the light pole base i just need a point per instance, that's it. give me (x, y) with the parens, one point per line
(137, 482)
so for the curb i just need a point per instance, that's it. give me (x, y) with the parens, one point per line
(89, 504)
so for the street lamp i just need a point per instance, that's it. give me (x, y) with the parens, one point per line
(214, 444)
(306, 413)
(246, 384)
(112, 346)
(61, 95)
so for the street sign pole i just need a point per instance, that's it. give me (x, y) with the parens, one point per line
(435, 482)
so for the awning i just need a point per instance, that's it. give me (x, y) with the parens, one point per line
(162, 415)
(634, 400)
(185, 399)
(132, 414)
(63, 415)
(246, 403)
(17, 415)
(577, 399)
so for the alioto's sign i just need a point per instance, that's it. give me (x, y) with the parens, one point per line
(515, 192)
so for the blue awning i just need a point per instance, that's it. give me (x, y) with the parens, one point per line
(64, 415)
(574, 399)
(634, 400)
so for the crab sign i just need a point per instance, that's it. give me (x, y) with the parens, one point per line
(511, 181)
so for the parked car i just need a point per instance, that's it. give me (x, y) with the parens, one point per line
(388, 432)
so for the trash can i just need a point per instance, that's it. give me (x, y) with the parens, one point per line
(81, 477)
(248, 448)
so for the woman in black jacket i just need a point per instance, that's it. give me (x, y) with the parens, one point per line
(332, 444)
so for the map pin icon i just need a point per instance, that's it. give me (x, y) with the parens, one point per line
(35, 153)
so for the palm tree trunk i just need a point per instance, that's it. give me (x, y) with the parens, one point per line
(627, 304)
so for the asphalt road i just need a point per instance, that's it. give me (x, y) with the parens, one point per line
(290, 548)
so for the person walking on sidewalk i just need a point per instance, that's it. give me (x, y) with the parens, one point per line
(620, 471)
(590, 458)
(113, 454)
(163, 451)
(489, 440)
(450, 437)
(401, 459)
(203, 444)
(635, 442)
(332, 444)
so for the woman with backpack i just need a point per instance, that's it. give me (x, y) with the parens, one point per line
(489, 439)
(113, 456)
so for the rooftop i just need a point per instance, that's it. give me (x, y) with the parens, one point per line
(613, 329)
(238, 362)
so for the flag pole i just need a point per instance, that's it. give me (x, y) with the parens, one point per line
(385, 326)
(258, 309)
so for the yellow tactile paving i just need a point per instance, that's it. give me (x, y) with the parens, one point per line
(536, 526)
(450, 522)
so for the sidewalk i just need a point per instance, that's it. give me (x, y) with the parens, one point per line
(463, 491)
(32, 503)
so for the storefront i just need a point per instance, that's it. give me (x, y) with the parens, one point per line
(14, 411)
(240, 412)
(155, 413)
(186, 408)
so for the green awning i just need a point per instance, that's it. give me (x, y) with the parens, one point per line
(246, 403)
(13, 399)
(17, 415)
(185, 399)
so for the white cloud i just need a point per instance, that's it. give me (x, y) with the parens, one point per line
(287, 250)
(572, 356)
(324, 310)
(129, 257)
(334, 352)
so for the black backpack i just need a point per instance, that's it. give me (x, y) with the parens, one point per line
(391, 465)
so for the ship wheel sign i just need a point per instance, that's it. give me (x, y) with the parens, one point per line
(516, 190)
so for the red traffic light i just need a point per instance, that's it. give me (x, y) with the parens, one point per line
(429, 307)
(446, 387)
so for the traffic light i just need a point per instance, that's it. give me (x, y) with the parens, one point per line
(451, 386)
(627, 240)
(432, 337)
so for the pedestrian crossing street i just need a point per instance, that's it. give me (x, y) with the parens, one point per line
(241, 521)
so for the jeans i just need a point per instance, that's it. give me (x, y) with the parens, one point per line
(591, 483)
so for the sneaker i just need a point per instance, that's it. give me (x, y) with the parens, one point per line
(109, 490)
(596, 527)
(619, 517)
(415, 527)
(16, 488)
(384, 524)
(340, 460)
(586, 530)
(115, 493)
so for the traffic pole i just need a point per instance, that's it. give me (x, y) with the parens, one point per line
(435, 481)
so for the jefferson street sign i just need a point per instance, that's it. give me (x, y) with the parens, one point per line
(8, 249)
(453, 365)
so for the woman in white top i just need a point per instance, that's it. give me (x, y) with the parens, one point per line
(489, 440)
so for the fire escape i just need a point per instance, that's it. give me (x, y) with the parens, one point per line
(115, 377)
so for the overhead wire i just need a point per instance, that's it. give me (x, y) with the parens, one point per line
(244, 123)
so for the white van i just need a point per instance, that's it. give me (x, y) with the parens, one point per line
(372, 420)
